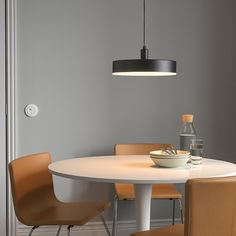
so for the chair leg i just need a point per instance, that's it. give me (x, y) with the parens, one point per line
(59, 230)
(33, 228)
(115, 214)
(105, 225)
(68, 229)
(181, 211)
(173, 213)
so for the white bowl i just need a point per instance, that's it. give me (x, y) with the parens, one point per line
(163, 159)
(170, 162)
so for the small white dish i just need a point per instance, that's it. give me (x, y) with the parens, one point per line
(196, 160)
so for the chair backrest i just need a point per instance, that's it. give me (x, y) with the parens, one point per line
(31, 184)
(210, 208)
(138, 148)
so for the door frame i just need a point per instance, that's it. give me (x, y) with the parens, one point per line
(3, 179)
(11, 72)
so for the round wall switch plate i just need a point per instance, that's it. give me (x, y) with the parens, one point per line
(31, 110)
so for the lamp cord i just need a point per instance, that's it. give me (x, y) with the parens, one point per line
(144, 50)
(144, 22)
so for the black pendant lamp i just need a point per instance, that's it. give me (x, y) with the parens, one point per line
(144, 66)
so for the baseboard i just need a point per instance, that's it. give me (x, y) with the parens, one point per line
(91, 229)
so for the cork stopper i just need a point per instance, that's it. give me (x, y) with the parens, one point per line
(187, 118)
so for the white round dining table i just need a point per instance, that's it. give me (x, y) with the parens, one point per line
(140, 171)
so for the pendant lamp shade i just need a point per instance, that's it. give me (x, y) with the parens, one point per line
(148, 67)
(144, 66)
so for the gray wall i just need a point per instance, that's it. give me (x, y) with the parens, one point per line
(2, 122)
(65, 54)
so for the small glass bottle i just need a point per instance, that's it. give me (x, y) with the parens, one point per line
(187, 132)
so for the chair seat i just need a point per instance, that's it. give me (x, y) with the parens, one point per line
(61, 213)
(175, 230)
(159, 191)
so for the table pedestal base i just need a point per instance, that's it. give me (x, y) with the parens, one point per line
(143, 194)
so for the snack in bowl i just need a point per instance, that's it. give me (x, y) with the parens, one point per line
(170, 160)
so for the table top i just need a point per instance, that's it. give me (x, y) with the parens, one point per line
(137, 169)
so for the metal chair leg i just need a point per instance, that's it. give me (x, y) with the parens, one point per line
(32, 229)
(59, 230)
(105, 225)
(115, 214)
(181, 211)
(173, 216)
(68, 229)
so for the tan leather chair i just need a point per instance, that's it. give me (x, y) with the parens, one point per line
(34, 199)
(210, 210)
(159, 191)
